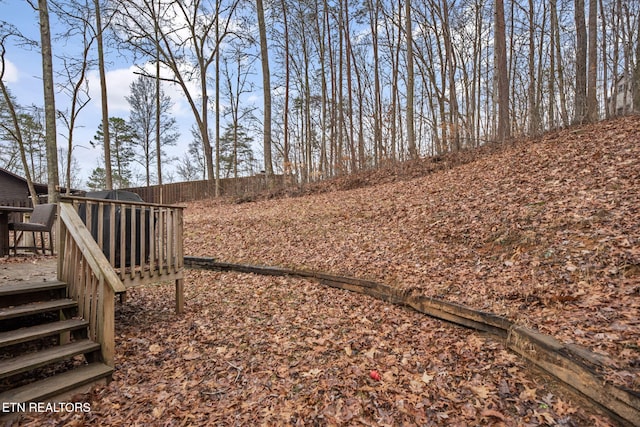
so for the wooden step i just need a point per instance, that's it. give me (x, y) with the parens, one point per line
(28, 287)
(35, 308)
(29, 361)
(40, 331)
(58, 384)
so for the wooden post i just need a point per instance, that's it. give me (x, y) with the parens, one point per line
(61, 235)
(106, 312)
(179, 296)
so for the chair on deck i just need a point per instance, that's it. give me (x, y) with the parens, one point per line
(42, 219)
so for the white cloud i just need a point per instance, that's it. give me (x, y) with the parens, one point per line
(118, 88)
(254, 100)
(10, 72)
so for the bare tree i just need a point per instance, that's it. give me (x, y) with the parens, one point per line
(72, 179)
(236, 84)
(143, 118)
(266, 90)
(592, 100)
(411, 136)
(373, 7)
(76, 16)
(558, 72)
(49, 103)
(103, 94)
(188, 43)
(636, 71)
(287, 81)
(13, 129)
(534, 113)
(580, 113)
(504, 126)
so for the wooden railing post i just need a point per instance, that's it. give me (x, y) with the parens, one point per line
(106, 312)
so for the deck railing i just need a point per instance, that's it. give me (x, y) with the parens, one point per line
(107, 246)
(141, 241)
(92, 280)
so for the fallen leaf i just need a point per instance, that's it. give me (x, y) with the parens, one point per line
(312, 373)
(481, 391)
(426, 378)
(492, 413)
(193, 355)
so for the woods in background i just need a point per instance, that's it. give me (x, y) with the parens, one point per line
(348, 85)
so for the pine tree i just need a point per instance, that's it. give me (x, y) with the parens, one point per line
(122, 138)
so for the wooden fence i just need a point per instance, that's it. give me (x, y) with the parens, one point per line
(180, 192)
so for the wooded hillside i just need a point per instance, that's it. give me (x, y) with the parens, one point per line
(544, 232)
(308, 89)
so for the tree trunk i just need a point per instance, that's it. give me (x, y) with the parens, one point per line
(49, 104)
(324, 167)
(266, 90)
(158, 112)
(217, 114)
(552, 73)
(635, 85)
(17, 133)
(104, 100)
(533, 105)
(394, 56)
(451, 121)
(287, 79)
(348, 66)
(592, 100)
(605, 66)
(560, 70)
(341, 169)
(334, 148)
(477, 75)
(503, 132)
(580, 113)
(411, 137)
(377, 103)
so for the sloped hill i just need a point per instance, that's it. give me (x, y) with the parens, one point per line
(544, 232)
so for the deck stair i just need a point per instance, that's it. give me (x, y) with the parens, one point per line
(44, 349)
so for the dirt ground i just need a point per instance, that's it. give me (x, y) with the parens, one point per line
(27, 268)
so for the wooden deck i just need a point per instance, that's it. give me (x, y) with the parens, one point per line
(64, 307)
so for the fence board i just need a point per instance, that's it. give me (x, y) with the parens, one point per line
(180, 192)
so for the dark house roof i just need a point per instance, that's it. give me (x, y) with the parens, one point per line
(14, 189)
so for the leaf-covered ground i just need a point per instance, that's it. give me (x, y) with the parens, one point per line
(546, 233)
(256, 350)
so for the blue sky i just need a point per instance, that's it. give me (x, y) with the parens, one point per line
(23, 77)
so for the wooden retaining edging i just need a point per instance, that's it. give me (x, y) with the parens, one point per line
(573, 365)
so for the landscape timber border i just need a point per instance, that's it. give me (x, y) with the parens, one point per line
(570, 364)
